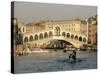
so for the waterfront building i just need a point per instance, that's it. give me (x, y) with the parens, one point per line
(92, 30)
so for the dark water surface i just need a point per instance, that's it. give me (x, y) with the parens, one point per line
(54, 61)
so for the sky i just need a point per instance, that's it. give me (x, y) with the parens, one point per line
(27, 12)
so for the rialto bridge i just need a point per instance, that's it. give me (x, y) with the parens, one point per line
(43, 37)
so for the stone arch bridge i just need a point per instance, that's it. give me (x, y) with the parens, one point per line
(42, 37)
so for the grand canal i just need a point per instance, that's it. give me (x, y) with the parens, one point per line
(54, 61)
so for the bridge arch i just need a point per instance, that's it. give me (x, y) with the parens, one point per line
(55, 43)
(77, 43)
(71, 42)
(31, 38)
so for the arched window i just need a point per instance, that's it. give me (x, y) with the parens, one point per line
(36, 37)
(25, 39)
(84, 39)
(41, 36)
(63, 34)
(45, 35)
(76, 37)
(57, 31)
(72, 36)
(68, 35)
(31, 38)
(80, 38)
(50, 34)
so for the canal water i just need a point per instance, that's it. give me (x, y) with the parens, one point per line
(54, 61)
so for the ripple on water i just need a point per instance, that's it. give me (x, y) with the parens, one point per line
(54, 62)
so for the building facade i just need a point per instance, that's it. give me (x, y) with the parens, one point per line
(76, 26)
(92, 30)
